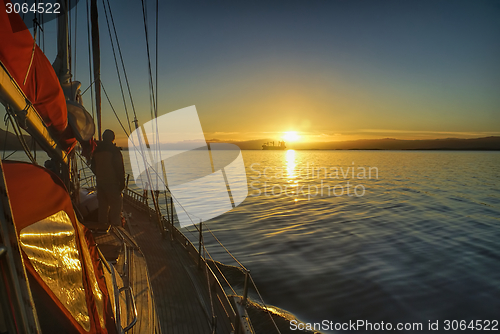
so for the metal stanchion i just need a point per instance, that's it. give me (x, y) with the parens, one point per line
(245, 288)
(200, 243)
(172, 215)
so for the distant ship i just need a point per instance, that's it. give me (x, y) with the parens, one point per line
(268, 146)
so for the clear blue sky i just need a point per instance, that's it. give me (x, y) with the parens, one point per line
(330, 70)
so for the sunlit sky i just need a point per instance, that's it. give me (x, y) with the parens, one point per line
(328, 70)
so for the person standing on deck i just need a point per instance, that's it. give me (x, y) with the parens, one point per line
(107, 165)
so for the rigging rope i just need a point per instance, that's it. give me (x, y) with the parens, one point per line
(70, 41)
(34, 148)
(265, 306)
(5, 139)
(154, 110)
(7, 157)
(157, 138)
(239, 263)
(112, 108)
(86, 89)
(118, 72)
(123, 65)
(151, 86)
(218, 269)
(5, 119)
(243, 267)
(209, 287)
(124, 73)
(227, 250)
(116, 65)
(32, 53)
(43, 34)
(19, 135)
(90, 60)
(153, 100)
(215, 263)
(75, 42)
(156, 59)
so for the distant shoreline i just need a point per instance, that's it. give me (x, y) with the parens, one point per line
(361, 149)
(379, 149)
(388, 149)
(9, 141)
(491, 143)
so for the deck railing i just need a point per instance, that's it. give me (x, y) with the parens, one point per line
(137, 200)
(234, 305)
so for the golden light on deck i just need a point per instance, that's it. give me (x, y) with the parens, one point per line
(291, 136)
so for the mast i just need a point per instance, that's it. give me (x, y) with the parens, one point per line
(97, 62)
(61, 63)
(76, 113)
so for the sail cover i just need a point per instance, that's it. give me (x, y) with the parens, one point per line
(34, 74)
(66, 276)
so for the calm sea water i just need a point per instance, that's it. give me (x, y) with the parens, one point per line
(419, 240)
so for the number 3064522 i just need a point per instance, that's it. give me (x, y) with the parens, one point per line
(40, 8)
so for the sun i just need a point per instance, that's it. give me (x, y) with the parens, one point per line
(291, 136)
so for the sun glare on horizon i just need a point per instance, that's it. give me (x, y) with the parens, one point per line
(291, 136)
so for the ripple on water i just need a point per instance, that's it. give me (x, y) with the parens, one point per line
(421, 244)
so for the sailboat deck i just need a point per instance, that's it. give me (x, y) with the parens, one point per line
(180, 288)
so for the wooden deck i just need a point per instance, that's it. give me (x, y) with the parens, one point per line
(131, 271)
(188, 296)
(180, 288)
(177, 302)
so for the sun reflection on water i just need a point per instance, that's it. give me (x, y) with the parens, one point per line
(290, 164)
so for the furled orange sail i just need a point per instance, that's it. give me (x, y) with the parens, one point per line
(34, 74)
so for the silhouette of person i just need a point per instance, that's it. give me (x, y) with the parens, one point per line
(107, 165)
